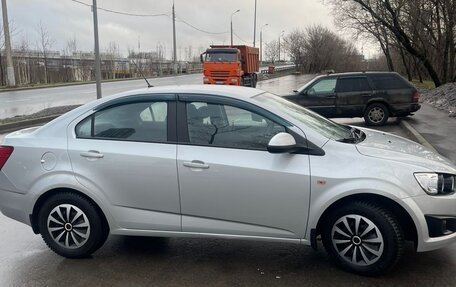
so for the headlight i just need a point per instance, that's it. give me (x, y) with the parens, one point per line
(436, 183)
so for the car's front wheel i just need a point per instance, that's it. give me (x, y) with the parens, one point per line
(71, 225)
(363, 238)
(376, 114)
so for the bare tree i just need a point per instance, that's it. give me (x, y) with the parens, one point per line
(45, 43)
(294, 44)
(422, 29)
(111, 55)
(317, 48)
(23, 61)
(272, 51)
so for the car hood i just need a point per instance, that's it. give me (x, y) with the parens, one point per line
(391, 147)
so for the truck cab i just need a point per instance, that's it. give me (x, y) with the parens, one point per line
(230, 65)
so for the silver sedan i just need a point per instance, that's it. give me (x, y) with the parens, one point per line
(226, 162)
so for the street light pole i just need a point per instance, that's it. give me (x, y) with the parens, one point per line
(232, 24)
(261, 43)
(254, 24)
(97, 50)
(10, 78)
(174, 42)
(280, 36)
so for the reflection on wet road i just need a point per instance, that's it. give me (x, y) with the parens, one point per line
(135, 261)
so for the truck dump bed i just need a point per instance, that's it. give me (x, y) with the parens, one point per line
(250, 57)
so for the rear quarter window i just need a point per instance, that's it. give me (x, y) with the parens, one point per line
(389, 82)
(358, 84)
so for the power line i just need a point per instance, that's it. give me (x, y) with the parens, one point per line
(198, 29)
(122, 13)
(237, 36)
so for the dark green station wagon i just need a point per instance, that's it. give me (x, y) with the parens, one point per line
(376, 96)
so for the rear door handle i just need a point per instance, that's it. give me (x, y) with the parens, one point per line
(92, 154)
(331, 97)
(196, 164)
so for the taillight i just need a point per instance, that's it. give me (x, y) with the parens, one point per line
(5, 152)
(415, 97)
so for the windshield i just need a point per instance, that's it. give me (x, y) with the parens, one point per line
(302, 88)
(221, 57)
(311, 119)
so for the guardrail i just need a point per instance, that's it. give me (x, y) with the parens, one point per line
(265, 70)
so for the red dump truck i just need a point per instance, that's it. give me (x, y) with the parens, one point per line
(236, 65)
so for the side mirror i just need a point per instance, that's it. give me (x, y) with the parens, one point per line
(282, 143)
(201, 58)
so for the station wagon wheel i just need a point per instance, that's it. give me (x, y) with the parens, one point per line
(71, 225)
(363, 238)
(376, 114)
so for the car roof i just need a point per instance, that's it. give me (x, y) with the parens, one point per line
(220, 90)
(371, 73)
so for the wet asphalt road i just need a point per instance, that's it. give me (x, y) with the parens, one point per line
(140, 261)
(25, 260)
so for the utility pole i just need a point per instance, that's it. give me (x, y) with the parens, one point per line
(97, 49)
(231, 30)
(280, 36)
(261, 43)
(174, 42)
(10, 78)
(232, 24)
(254, 24)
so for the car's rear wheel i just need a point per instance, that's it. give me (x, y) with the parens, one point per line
(376, 114)
(363, 238)
(254, 80)
(71, 225)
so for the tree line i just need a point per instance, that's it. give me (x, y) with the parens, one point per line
(417, 36)
(317, 49)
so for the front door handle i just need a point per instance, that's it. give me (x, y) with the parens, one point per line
(196, 164)
(92, 154)
(331, 97)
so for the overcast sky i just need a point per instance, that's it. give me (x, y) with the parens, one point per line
(65, 19)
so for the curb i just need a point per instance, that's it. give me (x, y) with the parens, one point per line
(10, 127)
(416, 135)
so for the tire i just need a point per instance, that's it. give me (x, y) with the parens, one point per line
(376, 114)
(254, 80)
(385, 240)
(85, 229)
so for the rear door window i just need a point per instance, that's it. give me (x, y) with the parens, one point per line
(143, 122)
(358, 84)
(389, 82)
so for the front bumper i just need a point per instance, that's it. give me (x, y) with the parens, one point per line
(435, 207)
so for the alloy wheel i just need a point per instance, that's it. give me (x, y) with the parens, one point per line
(376, 115)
